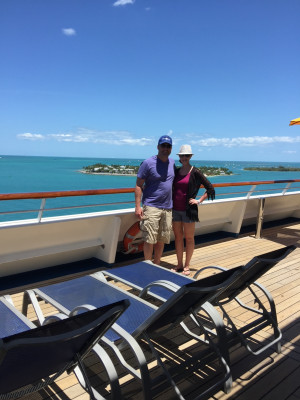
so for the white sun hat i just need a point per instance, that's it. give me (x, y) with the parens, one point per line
(185, 149)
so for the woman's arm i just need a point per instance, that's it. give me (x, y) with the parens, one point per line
(200, 179)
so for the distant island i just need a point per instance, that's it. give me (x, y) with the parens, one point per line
(113, 169)
(280, 168)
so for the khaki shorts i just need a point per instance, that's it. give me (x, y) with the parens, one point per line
(156, 225)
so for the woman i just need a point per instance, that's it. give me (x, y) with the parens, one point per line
(187, 182)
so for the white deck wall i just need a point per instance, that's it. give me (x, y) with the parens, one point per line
(29, 245)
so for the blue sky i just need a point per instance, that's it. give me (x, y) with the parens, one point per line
(107, 78)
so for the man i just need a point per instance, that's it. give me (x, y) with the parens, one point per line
(154, 181)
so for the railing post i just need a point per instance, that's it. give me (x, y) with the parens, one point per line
(43, 202)
(286, 188)
(260, 217)
(253, 187)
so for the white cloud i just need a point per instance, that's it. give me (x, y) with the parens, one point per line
(64, 137)
(123, 2)
(31, 136)
(119, 138)
(250, 141)
(83, 135)
(69, 31)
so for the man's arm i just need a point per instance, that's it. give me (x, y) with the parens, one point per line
(138, 197)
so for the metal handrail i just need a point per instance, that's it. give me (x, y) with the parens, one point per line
(65, 193)
(69, 193)
(77, 193)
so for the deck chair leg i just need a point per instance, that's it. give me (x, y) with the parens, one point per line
(272, 315)
(221, 349)
(81, 375)
(25, 303)
(82, 378)
(278, 347)
(29, 297)
(159, 360)
(143, 372)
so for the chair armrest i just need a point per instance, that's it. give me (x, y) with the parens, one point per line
(209, 267)
(268, 295)
(129, 342)
(162, 283)
(81, 308)
(54, 318)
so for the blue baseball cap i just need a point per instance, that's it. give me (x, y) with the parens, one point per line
(165, 139)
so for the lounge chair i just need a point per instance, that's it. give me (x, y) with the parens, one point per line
(264, 314)
(161, 282)
(143, 320)
(31, 357)
(147, 278)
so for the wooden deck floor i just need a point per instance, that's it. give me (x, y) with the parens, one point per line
(271, 377)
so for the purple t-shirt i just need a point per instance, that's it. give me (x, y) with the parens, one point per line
(158, 176)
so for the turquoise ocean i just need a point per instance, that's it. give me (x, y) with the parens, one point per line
(24, 174)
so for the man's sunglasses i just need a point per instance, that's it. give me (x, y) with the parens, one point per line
(166, 145)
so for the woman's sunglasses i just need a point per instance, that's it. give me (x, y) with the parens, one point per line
(185, 155)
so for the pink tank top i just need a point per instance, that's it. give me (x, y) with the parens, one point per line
(180, 191)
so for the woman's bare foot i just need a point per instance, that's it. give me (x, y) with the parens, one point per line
(186, 271)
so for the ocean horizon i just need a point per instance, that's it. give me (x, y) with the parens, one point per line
(25, 174)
